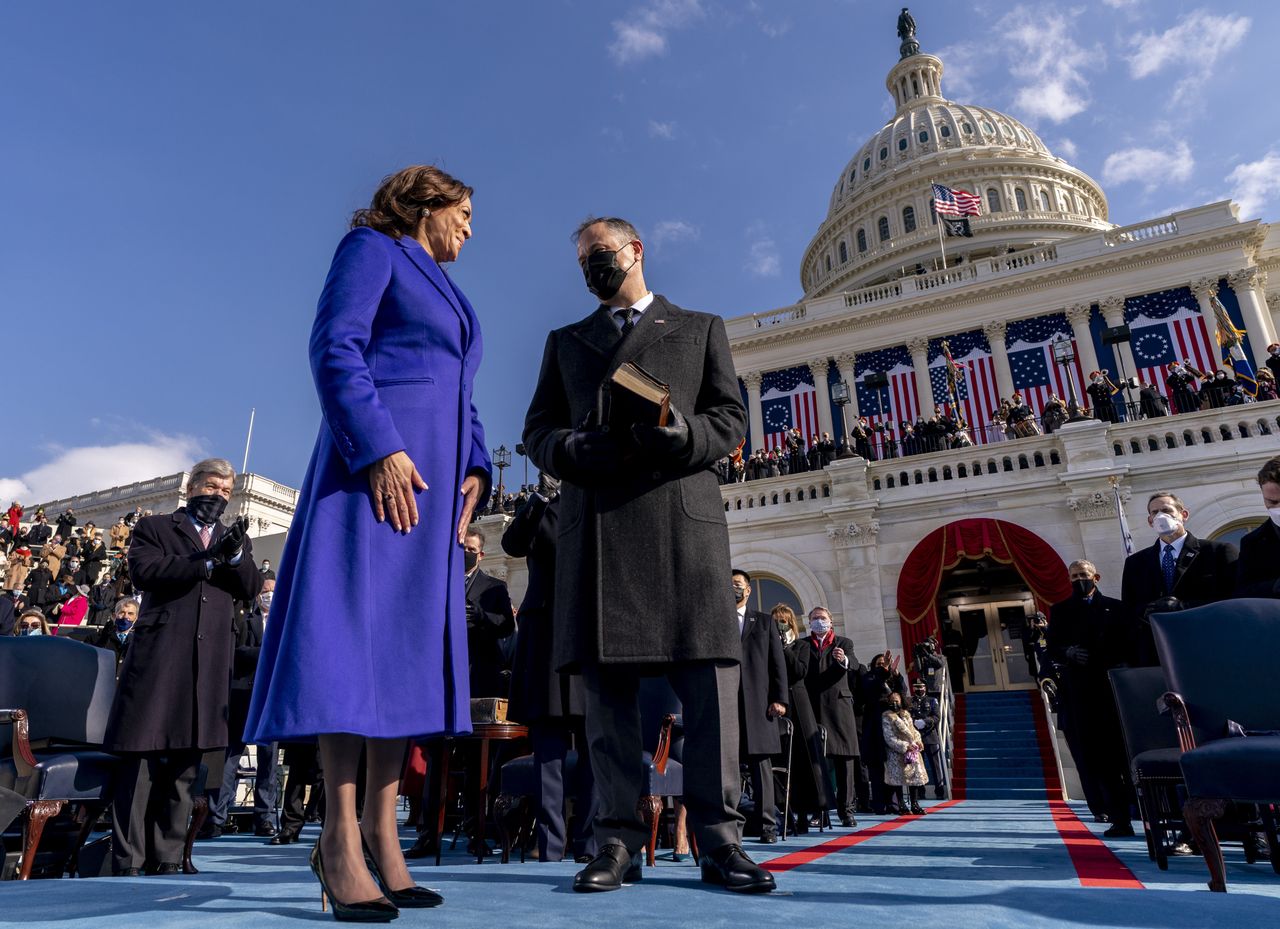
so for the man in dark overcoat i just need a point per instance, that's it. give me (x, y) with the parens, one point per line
(1258, 573)
(642, 561)
(171, 702)
(1087, 637)
(490, 620)
(1178, 571)
(762, 698)
(827, 659)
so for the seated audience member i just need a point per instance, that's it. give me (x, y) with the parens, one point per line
(115, 635)
(1088, 635)
(1258, 570)
(903, 757)
(31, 621)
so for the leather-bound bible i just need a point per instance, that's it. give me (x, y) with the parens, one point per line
(636, 396)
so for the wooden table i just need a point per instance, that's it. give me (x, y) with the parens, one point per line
(438, 760)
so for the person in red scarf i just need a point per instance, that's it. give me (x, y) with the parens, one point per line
(828, 662)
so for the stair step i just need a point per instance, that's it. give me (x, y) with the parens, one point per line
(1000, 793)
(1002, 780)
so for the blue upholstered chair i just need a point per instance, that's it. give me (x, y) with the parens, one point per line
(55, 695)
(1208, 653)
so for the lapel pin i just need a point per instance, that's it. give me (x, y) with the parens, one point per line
(659, 322)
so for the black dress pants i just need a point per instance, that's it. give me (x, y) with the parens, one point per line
(151, 808)
(552, 739)
(303, 762)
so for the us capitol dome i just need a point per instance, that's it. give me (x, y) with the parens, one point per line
(880, 222)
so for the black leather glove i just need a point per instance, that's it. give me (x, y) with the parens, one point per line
(1078, 654)
(232, 541)
(667, 441)
(473, 612)
(589, 450)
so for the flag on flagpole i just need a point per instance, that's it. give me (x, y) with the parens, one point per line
(956, 226)
(948, 202)
(1125, 534)
(1231, 340)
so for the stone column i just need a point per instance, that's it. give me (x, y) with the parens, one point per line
(1273, 303)
(818, 368)
(1250, 284)
(1113, 315)
(1205, 288)
(1078, 317)
(994, 332)
(755, 416)
(848, 374)
(919, 349)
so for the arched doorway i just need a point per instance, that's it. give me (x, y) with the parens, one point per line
(975, 584)
(768, 591)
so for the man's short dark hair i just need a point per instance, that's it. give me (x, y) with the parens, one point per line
(738, 572)
(617, 225)
(1270, 473)
(472, 531)
(1177, 501)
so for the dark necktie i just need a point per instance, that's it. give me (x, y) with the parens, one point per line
(628, 317)
(1166, 565)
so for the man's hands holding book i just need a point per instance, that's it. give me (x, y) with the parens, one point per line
(668, 441)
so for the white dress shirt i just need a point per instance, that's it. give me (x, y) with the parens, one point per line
(619, 312)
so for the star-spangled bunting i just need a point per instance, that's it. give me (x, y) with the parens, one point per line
(976, 388)
(1036, 374)
(893, 404)
(788, 398)
(1165, 327)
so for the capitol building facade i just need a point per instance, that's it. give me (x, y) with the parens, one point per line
(970, 542)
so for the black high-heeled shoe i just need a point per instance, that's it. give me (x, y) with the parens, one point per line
(414, 897)
(370, 911)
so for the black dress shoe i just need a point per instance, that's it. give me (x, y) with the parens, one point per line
(849, 822)
(768, 836)
(1119, 831)
(609, 870)
(128, 872)
(284, 837)
(426, 846)
(209, 831)
(729, 867)
(265, 831)
(169, 868)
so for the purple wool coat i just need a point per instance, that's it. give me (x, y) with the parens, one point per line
(367, 633)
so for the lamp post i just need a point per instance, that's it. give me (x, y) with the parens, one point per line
(524, 453)
(502, 461)
(840, 397)
(1063, 355)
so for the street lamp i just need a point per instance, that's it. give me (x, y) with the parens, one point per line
(502, 461)
(1063, 355)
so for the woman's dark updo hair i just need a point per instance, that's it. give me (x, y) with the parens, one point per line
(401, 197)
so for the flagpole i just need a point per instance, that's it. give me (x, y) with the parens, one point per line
(247, 439)
(937, 221)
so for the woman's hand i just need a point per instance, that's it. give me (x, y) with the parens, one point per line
(470, 497)
(393, 481)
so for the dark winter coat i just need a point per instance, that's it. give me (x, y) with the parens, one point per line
(830, 694)
(489, 621)
(642, 562)
(763, 681)
(174, 684)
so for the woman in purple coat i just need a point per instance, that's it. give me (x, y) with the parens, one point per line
(367, 643)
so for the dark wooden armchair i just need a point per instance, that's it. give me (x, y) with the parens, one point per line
(1205, 653)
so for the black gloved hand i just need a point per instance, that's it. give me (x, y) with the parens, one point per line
(589, 450)
(1078, 654)
(232, 541)
(667, 441)
(473, 612)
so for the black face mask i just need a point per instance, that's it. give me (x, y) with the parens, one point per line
(1083, 587)
(206, 508)
(470, 560)
(604, 277)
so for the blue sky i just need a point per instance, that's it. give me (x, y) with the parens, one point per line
(175, 177)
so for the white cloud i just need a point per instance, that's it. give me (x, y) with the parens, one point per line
(645, 34)
(1121, 4)
(1153, 167)
(1050, 64)
(664, 131)
(1192, 47)
(960, 65)
(1254, 183)
(80, 470)
(675, 230)
(1067, 149)
(763, 259)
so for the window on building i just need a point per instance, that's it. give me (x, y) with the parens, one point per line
(862, 240)
(908, 219)
(1044, 201)
(933, 214)
(924, 138)
(993, 200)
(902, 145)
(828, 262)
(944, 131)
(768, 592)
(866, 163)
(882, 227)
(1020, 198)
(844, 252)
(884, 153)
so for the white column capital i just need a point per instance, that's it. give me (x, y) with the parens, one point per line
(752, 379)
(846, 360)
(995, 330)
(819, 368)
(918, 346)
(1250, 278)
(1112, 310)
(1079, 313)
(1204, 288)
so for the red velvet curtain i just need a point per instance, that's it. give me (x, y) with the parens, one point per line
(944, 548)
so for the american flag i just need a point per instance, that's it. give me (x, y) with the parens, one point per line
(788, 398)
(976, 390)
(896, 403)
(1164, 327)
(948, 202)
(1035, 372)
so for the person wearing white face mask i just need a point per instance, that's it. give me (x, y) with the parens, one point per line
(1177, 572)
(1258, 573)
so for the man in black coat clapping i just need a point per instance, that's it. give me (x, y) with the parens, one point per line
(827, 659)
(762, 696)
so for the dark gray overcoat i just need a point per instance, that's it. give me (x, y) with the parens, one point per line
(763, 681)
(175, 682)
(830, 693)
(642, 561)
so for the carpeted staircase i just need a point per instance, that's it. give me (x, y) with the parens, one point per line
(998, 753)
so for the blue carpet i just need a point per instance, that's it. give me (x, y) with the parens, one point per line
(989, 863)
(1001, 755)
